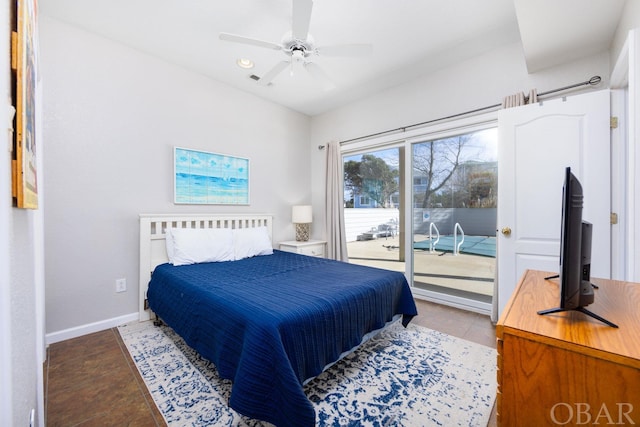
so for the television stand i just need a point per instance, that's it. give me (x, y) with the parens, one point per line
(580, 309)
(557, 276)
(563, 370)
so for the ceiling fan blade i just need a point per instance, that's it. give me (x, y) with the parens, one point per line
(355, 50)
(301, 18)
(247, 40)
(272, 73)
(319, 75)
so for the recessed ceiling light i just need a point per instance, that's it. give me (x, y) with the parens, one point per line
(244, 63)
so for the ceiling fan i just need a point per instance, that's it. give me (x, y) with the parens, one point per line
(299, 47)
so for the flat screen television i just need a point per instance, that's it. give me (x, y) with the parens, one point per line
(576, 289)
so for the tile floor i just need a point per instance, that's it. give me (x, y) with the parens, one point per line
(92, 381)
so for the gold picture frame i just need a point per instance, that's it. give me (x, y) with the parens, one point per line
(24, 62)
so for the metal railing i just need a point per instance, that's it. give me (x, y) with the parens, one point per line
(456, 245)
(432, 244)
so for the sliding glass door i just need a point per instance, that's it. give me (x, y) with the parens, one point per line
(373, 200)
(454, 200)
(435, 219)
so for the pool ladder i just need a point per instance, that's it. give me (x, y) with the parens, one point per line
(456, 244)
(432, 244)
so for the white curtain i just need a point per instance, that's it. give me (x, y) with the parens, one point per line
(514, 100)
(334, 204)
(519, 99)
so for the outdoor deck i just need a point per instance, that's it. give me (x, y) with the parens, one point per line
(465, 272)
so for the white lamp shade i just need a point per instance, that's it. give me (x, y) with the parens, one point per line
(302, 214)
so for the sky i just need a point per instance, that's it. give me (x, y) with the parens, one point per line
(482, 147)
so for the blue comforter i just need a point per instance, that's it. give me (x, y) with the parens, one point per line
(270, 322)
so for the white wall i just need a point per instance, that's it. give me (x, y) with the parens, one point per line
(472, 84)
(112, 118)
(629, 20)
(21, 282)
(6, 214)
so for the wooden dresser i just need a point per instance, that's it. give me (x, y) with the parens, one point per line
(568, 368)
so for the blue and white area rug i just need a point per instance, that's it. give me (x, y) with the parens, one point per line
(402, 377)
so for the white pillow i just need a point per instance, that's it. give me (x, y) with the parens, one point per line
(193, 245)
(168, 238)
(249, 242)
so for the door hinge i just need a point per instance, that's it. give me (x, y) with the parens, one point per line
(614, 218)
(146, 304)
(613, 122)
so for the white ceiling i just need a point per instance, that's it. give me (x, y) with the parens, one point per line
(409, 37)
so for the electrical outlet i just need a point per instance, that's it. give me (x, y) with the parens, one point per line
(121, 285)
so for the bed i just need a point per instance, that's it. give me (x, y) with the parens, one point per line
(268, 322)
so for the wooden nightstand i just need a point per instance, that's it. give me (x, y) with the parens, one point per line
(311, 247)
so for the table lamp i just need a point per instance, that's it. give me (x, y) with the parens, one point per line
(302, 217)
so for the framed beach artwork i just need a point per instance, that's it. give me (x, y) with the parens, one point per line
(205, 178)
(24, 61)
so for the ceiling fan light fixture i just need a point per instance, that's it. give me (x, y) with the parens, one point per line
(245, 63)
(297, 55)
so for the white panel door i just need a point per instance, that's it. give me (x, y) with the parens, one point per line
(535, 145)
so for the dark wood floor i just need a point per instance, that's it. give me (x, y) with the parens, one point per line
(92, 381)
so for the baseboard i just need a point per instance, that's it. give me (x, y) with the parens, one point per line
(90, 328)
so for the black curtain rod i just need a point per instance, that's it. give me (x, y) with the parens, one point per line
(591, 82)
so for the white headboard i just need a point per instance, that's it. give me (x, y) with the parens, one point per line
(153, 250)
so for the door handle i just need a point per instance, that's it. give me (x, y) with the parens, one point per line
(506, 231)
